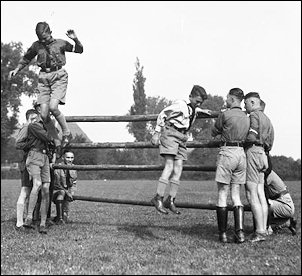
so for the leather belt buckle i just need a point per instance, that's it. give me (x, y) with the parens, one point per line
(43, 151)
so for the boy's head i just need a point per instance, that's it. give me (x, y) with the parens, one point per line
(251, 101)
(31, 115)
(68, 157)
(235, 95)
(198, 95)
(43, 32)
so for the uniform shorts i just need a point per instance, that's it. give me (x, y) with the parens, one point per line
(256, 164)
(282, 207)
(173, 142)
(37, 164)
(52, 85)
(231, 165)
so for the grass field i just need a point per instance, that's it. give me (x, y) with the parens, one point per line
(105, 238)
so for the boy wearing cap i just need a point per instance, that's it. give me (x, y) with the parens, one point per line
(53, 78)
(259, 141)
(171, 130)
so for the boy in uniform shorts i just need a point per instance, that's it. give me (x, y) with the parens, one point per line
(171, 134)
(232, 126)
(258, 142)
(26, 184)
(53, 78)
(37, 164)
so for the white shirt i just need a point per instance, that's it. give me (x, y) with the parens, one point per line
(178, 114)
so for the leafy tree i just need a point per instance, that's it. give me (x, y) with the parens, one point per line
(138, 129)
(201, 129)
(24, 83)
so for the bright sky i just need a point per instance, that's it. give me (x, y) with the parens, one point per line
(254, 45)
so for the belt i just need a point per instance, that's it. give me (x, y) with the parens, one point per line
(258, 144)
(249, 145)
(51, 69)
(280, 194)
(232, 144)
(181, 130)
(39, 150)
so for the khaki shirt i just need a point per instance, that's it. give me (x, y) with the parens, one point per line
(232, 124)
(261, 130)
(61, 182)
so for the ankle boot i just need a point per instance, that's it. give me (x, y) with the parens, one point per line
(238, 219)
(169, 203)
(222, 220)
(158, 203)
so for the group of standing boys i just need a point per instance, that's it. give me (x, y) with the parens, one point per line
(243, 159)
(39, 180)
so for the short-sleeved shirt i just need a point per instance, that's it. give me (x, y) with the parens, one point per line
(261, 130)
(233, 125)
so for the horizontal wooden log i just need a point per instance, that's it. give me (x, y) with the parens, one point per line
(135, 145)
(127, 118)
(131, 167)
(147, 203)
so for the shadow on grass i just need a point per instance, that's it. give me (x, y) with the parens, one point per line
(152, 232)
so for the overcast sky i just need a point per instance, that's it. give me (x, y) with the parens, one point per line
(254, 45)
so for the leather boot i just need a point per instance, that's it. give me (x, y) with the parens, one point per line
(157, 201)
(222, 220)
(169, 203)
(59, 208)
(238, 219)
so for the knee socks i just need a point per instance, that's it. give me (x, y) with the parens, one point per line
(161, 187)
(44, 209)
(62, 122)
(174, 187)
(20, 210)
(32, 203)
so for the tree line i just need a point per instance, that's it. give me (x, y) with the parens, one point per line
(25, 83)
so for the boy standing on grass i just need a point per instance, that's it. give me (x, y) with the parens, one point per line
(171, 134)
(37, 164)
(232, 125)
(53, 78)
(26, 184)
(259, 141)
